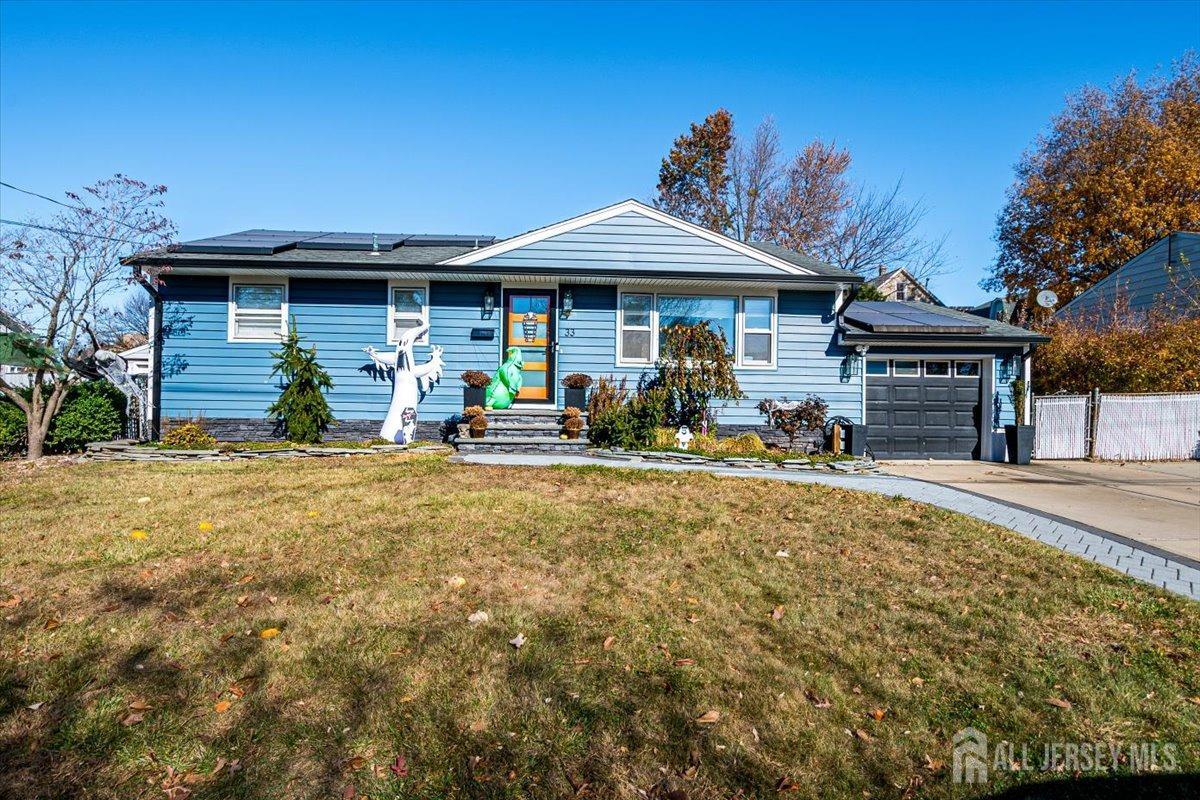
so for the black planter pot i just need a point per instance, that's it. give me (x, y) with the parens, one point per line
(1018, 440)
(856, 439)
(575, 398)
(474, 396)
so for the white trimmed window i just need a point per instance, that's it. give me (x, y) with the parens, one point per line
(635, 340)
(748, 323)
(758, 331)
(408, 307)
(257, 310)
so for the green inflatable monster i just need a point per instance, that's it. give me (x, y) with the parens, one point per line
(504, 387)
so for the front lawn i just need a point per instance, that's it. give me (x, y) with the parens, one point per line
(299, 628)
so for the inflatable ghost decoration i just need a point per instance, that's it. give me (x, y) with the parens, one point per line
(410, 383)
(506, 384)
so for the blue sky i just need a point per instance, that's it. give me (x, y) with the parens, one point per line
(496, 118)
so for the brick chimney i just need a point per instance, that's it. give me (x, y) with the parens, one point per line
(882, 270)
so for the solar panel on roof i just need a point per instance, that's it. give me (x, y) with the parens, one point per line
(353, 241)
(447, 240)
(891, 317)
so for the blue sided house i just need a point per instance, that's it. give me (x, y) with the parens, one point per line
(930, 382)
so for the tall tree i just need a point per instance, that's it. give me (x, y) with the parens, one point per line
(61, 274)
(693, 181)
(748, 189)
(1117, 170)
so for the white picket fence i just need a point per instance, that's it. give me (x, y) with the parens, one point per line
(1132, 427)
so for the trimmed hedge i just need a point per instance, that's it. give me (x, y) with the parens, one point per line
(93, 411)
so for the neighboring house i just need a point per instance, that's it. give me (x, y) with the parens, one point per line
(600, 287)
(1164, 276)
(14, 374)
(997, 309)
(899, 284)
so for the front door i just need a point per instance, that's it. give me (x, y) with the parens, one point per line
(529, 325)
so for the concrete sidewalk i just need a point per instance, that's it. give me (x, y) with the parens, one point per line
(1179, 575)
(1156, 504)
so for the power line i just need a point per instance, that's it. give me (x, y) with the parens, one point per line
(68, 205)
(71, 232)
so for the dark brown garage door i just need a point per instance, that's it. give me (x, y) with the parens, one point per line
(923, 408)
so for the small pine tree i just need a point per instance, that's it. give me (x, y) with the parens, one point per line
(301, 411)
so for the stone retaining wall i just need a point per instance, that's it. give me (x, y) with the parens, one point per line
(129, 451)
(250, 429)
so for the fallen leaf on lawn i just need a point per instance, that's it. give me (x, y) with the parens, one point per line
(51, 624)
(1195, 700)
(878, 714)
(399, 766)
(354, 763)
(1054, 701)
(349, 792)
(143, 500)
(36, 706)
(609, 641)
(408, 698)
(138, 704)
(816, 699)
(777, 614)
(268, 633)
(225, 637)
(684, 662)
(206, 526)
(933, 764)
(479, 725)
(222, 706)
(138, 534)
(243, 600)
(786, 784)
(782, 554)
(478, 618)
(245, 579)
(709, 718)
(918, 681)
(861, 734)
(456, 582)
(132, 719)
(314, 513)
(11, 602)
(518, 641)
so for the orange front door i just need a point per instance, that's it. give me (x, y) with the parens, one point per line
(529, 325)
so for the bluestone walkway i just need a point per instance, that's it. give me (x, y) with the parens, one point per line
(1110, 550)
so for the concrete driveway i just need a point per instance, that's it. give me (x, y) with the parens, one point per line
(1155, 503)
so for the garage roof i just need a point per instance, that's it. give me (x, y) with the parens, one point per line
(897, 320)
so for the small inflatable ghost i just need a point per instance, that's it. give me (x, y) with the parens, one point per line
(683, 438)
(506, 385)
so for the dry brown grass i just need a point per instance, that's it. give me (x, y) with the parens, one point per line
(933, 619)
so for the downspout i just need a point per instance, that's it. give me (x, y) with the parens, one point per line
(155, 354)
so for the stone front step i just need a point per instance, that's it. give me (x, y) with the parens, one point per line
(518, 444)
(500, 428)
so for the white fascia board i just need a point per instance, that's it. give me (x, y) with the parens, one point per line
(609, 212)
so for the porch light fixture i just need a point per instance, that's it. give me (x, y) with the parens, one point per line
(1007, 368)
(852, 363)
(568, 303)
(489, 302)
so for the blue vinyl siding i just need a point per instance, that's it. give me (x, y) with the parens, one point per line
(631, 240)
(206, 374)
(808, 360)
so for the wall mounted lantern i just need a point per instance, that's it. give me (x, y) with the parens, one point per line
(1006, 368)
(568, 303)
(489, 302)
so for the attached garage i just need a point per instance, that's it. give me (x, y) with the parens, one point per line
(935, 381)
(924, 408)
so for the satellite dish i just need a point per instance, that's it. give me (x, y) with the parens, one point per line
(1047, 299)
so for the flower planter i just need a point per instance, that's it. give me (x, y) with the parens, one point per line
(575, 398)
(474, 396)
(1018, 440)
(478, 433)
(571, 433)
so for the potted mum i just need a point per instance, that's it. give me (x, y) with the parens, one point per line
(1018, 439)
(464, 422)
(576, 385)
(572, 422)
(474, 387)
(478, 426)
